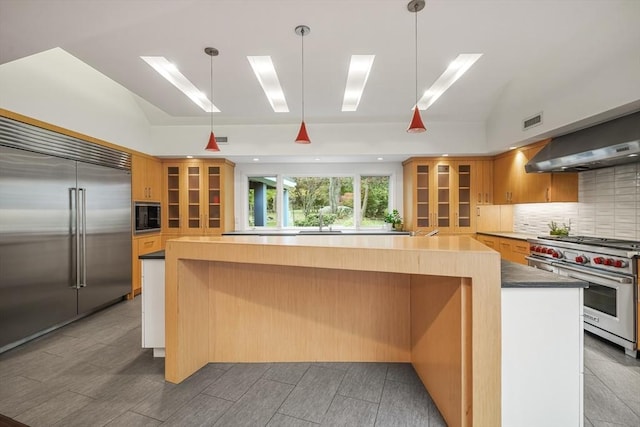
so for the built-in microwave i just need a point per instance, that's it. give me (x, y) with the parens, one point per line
(146, 217)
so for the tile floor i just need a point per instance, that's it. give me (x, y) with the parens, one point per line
(94, 373)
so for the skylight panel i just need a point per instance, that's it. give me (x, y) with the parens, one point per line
(268, 78)
(359, 70)
(454, 71)
(170, 72)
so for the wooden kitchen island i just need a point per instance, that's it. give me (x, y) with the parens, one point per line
(434, 302)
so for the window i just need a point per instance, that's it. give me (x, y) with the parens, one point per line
(307, 199)
(262, 201)
(374, 200)
(297, 198)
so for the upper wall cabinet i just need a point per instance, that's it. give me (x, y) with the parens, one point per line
(511, 184)
(146, 178)
(198, 197)
(442, 194)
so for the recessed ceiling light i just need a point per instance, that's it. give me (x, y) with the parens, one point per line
(454, 71)
(266, 74)
(380, 158)
(256, 159)
(633, 155)
(317, 159)
(359, 70)
(170, 72)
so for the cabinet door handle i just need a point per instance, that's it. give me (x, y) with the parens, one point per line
(479, 197)
(547, 195)
(478, 211)
(486, 197)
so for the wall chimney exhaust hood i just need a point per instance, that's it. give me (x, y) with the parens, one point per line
(615, 142)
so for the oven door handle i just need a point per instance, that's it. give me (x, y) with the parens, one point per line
(588, 277)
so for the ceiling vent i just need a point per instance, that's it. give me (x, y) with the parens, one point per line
(532, 121)
(222, 140)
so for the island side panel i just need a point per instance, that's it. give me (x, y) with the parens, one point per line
(441, 343)
(187, 314)
(264, 313)
(486, 339)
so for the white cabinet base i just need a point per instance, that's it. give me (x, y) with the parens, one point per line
(153, 305)
(542, 357)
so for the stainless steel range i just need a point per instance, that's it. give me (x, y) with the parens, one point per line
(609, 265)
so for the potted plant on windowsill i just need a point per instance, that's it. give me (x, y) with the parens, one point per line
(393, 220)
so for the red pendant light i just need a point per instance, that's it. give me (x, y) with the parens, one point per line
(416, 125)
(303, 137)
(213, 144)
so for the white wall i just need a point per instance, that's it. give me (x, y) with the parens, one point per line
(243, 171)
(607, 89)
(55, 87)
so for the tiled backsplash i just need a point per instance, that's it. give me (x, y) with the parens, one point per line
(609, 206)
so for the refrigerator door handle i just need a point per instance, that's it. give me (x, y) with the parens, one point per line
(75, 232)
(83, 282)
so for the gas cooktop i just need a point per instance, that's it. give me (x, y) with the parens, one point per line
(596, 241)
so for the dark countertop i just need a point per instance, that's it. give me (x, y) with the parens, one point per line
(509, 234)
(516, 275)
(153, 255)
(317, 233)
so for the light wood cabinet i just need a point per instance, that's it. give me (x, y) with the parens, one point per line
(510, 249)
(141, 246)
(484, 182)
(513, 185)
(440, 194)
(146, 178)
(198, 197)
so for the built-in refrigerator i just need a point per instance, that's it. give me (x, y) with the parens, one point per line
(65, 230)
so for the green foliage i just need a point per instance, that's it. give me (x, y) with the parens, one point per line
(313, 220)
(556, 230)
(393, 217)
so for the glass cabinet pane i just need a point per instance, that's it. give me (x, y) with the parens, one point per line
(193, 193)
(444, 175)
(422, 196)
(173, 197)
(464, 195)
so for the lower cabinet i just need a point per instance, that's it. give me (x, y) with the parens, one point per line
(153, 306)
(542, 357)
(515, 250)
(142, 246)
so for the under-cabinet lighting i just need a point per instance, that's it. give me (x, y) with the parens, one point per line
(170, 72)
(268, 78)
(359, 70)
(454, 71)
(189, 157)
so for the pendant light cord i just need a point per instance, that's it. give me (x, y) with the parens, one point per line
(302, 55)
(211, 100)
(415, 12)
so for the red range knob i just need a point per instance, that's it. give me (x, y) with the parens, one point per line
(608, 261)
(598, 260)
(619, 263)
(532, 248)
(556, 254)
(543, 250)
(580, 259)
(538, 248)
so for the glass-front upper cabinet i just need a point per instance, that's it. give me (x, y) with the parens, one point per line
(438, 195)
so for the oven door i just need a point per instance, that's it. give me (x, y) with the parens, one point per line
(609, 302)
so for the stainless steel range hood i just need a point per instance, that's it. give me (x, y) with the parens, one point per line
(611, 143)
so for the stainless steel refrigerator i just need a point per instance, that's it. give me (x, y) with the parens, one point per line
(65, 232)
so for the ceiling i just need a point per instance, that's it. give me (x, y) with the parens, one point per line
(554, 38)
